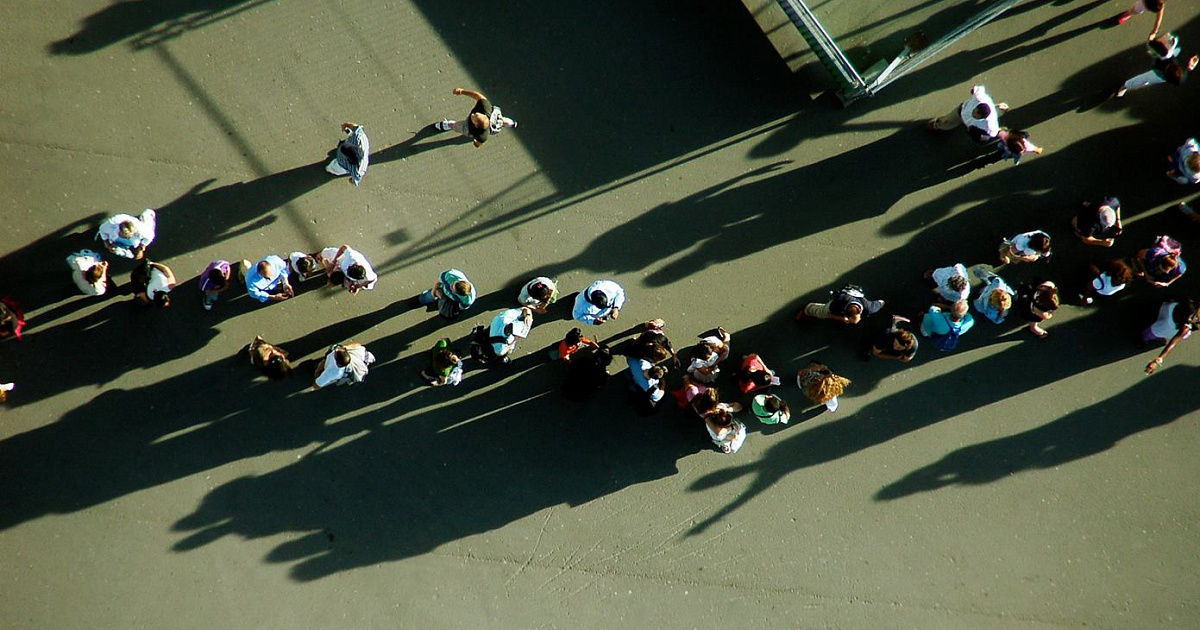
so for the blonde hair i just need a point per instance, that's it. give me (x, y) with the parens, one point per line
(1000, 299)
(826, 388)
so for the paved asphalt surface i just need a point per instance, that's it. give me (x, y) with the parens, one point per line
(148, 479)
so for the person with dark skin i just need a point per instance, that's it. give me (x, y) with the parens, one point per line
(484, 120)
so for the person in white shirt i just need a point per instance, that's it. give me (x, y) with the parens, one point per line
(89, 272)
(348, 267)
(152, 283)
(345, 364)
(979, 114)
(598, 303)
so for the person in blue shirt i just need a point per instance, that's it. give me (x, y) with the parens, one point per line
(268, 280)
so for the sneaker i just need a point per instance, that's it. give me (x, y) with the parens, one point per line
(832, 405)
(1123, 17)
(1085, 300)
(1121, 92)
(1003, 107)
(7, 387)
(512, 123)
(444, 125)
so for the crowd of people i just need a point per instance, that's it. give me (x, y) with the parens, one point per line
(703, 384)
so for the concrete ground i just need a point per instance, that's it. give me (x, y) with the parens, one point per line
(148, 480)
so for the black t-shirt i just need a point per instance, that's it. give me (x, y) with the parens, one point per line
(1088, 223)
(1161, 68)
(885, 344)
(482, 106)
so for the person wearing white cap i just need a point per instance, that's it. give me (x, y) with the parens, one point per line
(1098, 224)
(598, 303)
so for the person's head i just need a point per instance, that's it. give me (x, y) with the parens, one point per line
(479, 128)
(354, 153)
(1119, 271)
(721, 418)
(981, 111)
(1193, 162)
(703, 351)
(94, 274)
(1040, 242)
(462, 287)
(540, 291)
(656, 353)
(1107, 217)
(772, 403)
(1167, 263)
(574, 337)
(162, 299)
(706, 401)
(306, 265)
(597, 298)
(1046, 298)
(959, 310)
(760, 378)
(854, 308)
(904, 340)
(1001, 300)
(127, 229)
(957, 283)
(341, 357)
(603, 356)
(216, 278)
(356, 272)
(1016, 141)
(656, 373)
(336, 277)
(828, 387)
(277, 366)
(265, 269)
(1161, 45)
(445, 358)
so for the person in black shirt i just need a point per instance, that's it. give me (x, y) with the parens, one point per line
(483, 121)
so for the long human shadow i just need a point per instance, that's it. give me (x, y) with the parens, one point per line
(147, 21)
(764, 208)
(425, 480)
(926, 403)
(23, 271)
(1077, 435)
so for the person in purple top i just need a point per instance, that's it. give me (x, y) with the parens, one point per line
(214, 281)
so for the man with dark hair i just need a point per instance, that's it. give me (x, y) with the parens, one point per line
(352, 155)
(349, 268)
(979, 114)
(484, 120)
(600, 302)
(848, 304)
(345, 364)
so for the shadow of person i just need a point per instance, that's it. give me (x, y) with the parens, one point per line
(152, 19)
(436, 476)
(413, 146)
(208, 216)
(23, 272)
(1082, 433)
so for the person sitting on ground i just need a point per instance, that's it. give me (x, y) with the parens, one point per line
(848, 304)
(305, 266)
(89, 272)
(1161, 264)
(996, 298)
(506, 329)
(152, 283)
(1036, 303)
(12, 318)
(1025, 247)
(349, 268)
(538, 294)
(600, 302)
(754, 375)
(344, 364)
(652, 344)
(452, 293)
(267, 281)
(895, 343)
(1177, 320)
(707, 355)
(1113, 279)
(445, 366)
(945, 325)
(587, 372)
(950, 284)
(1013, 144)
(271, 360)
(1098, 224)
(770, 409)
(214, 281)
(128, 236)
(1185, 163)
(727, 434)
(572, 343)
(821, 385)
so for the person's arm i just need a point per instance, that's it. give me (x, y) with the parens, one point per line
(166, 271)
(1158, 361)
(471, 93)
(852, 319)
(1157, 22)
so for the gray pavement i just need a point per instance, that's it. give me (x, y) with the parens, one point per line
(147, 479)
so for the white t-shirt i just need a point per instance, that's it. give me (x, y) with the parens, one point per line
(158, 283)
(500, 322)
(296, 257)
(332, 373)
(353, 257)
(989, 125)
(81, 262)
